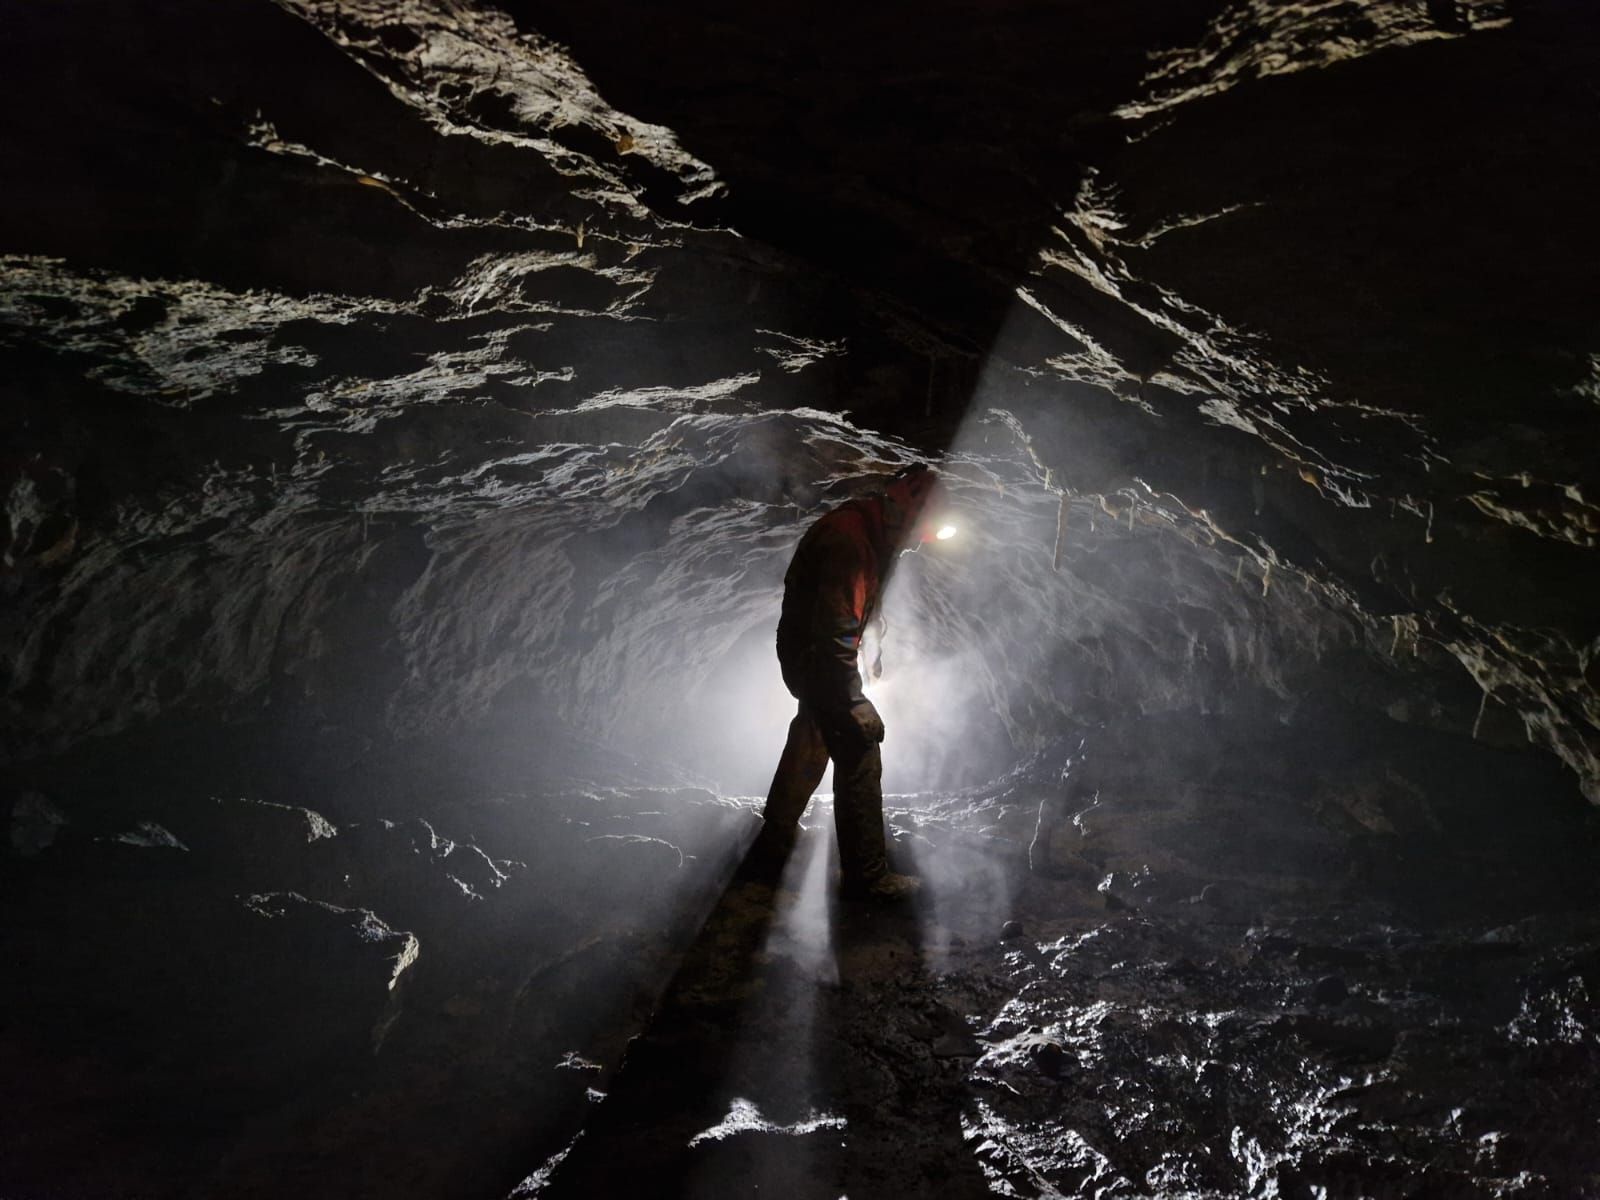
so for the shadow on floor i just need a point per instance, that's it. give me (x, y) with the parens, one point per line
(798, 1052)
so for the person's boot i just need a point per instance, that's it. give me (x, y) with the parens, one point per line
(885, 887)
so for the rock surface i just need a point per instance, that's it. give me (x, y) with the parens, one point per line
(410, 408)
(473, 396)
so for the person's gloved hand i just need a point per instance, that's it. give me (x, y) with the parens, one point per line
(867, 720)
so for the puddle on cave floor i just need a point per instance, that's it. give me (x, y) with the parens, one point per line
(1113, 1047)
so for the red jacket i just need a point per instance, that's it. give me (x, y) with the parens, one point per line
(830, 593)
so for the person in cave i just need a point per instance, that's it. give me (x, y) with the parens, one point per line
(830, 594)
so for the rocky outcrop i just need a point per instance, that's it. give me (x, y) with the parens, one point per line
(576, 421)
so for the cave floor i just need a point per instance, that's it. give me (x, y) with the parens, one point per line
(812, 1048)
(554, 990)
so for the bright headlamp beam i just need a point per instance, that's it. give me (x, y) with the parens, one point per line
(946, 532)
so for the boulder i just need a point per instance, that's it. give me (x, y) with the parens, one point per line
(35, 823)
(415, 876)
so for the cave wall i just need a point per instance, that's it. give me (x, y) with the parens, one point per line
(1261, 361)
(409, 409)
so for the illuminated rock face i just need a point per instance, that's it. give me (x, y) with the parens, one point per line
(412, 405)
(478, 365)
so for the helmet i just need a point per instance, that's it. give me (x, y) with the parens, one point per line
(909, 494)
(911, 487)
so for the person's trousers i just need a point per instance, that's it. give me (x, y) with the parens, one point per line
(814, 738)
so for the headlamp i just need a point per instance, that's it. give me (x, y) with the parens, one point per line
(940, 528)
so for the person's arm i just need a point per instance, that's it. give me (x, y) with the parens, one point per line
(840, 615)
(836, 625)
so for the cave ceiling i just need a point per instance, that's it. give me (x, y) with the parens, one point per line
(400, 356)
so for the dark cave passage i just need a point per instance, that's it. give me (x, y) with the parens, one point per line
(411, 408)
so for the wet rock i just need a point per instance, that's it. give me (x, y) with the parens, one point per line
(1056, 852)
(151, 836)
(1011, 929)
(35, 824)
(1330, 989)
(355, 963)
(1333, 956)
(947, 1033)
(1049, 1057)
(1504, 935)
(1359, 1041)
(1119, 891)
(37, 524)
(417, 877)
(258, 845)
(1222, 900)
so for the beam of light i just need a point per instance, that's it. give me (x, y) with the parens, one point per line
(800, 930)
(778, 1024)
(968, 892)
(734, 723)
(968, 659)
